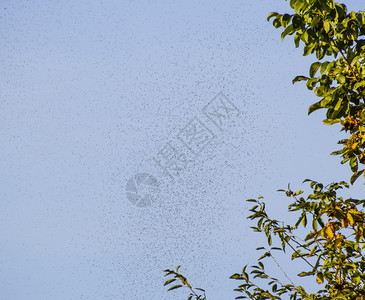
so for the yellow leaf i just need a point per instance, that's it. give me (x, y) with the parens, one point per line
(350, 218)
(319, 281)
(353, 146)
(328, 231)
(327, 26)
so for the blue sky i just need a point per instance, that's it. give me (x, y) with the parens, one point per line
(92, 91)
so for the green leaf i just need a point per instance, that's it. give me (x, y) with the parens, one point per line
(276, 23)
(338, 104)
(297, 40)
(314, 68)
(338, 152)
(314, 107)
(320, 53)
(326, 26)
(251, 200)
(272, 14)
(341, 79)
(236, 276)
(285, 20)
(296, 5)
(353, 164)
(267, 254)
(331, 121)
(359, 84)
(311, 83)
(323, 68)
(356, 175)
(244, 269)
(175, 287)
(300, 78)
(276, 248)
(356, 279)
(169, 281)
(304, 220)
(314, 224)
(288, 30)
(305, 37)
(302, 274)
(308, 49)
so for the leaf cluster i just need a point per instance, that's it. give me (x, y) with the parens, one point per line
(331, 249)
(183, 282)
(336, 37)
(334, 239)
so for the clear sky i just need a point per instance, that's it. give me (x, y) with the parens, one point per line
(93, 93)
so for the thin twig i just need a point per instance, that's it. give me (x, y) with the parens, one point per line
(300, 255)
(282, 270)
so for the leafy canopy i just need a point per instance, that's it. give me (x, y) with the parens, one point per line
(331, 248)
(336, 37)
(334, 238)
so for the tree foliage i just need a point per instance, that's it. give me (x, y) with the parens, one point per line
(197, 293)
(336, 37)
(331, 248)
(329, 235)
